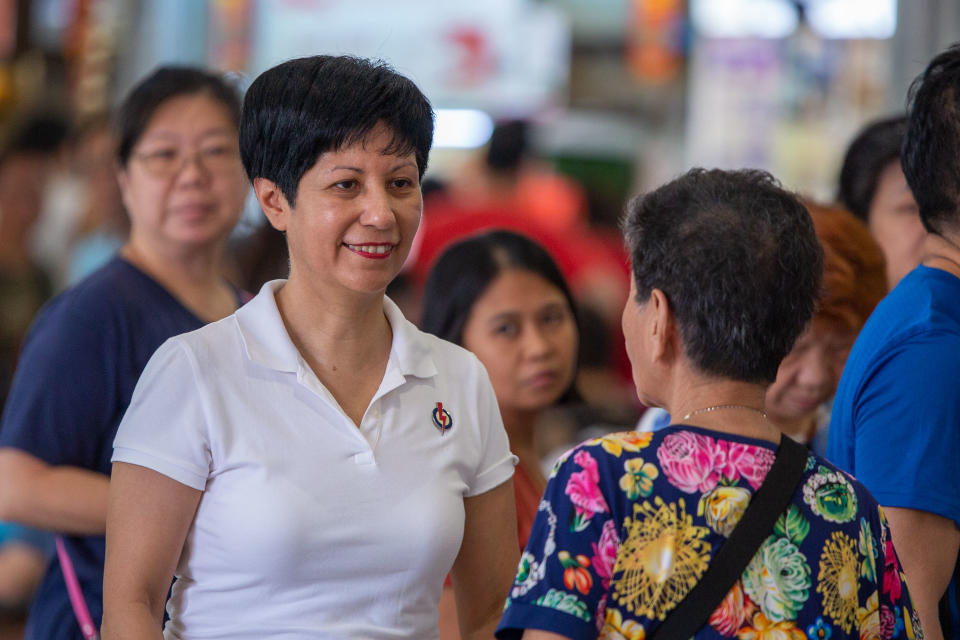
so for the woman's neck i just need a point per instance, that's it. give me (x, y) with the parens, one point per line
(349, 331)
(942, 251)
(194, 277)
(727, 406)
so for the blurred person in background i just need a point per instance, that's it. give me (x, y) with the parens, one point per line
(26, 165)
(896, 417)
(103, 226)
(26, 162)
(507, 178)
(631, 522)
(183, 187)
(322, 464)
(873, 188)
(505, 187)
(501, 296)
(854, 281)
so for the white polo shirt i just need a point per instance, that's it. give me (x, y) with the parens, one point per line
(309, 527)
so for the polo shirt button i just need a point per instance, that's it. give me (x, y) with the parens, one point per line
(364, 457)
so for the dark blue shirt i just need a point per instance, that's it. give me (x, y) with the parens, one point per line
(80, 363)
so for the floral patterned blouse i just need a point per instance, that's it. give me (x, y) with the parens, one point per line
(630, 522)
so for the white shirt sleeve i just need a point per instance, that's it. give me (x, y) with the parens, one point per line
(496, 462)
(165, 426)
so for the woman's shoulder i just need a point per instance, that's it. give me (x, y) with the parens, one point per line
(116, 288)
(834, 495)
(605, 457)
(93, 309)
(612, 446)
(451, 360)
(210, 344)
(684, 453)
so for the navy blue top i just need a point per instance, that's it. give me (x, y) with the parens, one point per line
(80, 363)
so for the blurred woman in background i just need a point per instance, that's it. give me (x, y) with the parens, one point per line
(872, 188)
(854, 281)
(501, 296)
(183, 187)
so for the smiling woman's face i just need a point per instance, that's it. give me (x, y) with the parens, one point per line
(523, 331)
(356, 213)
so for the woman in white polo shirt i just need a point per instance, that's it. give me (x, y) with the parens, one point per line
(313, 465)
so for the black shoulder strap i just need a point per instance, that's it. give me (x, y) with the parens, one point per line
(756, 524)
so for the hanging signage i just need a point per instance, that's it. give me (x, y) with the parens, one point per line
(504, 56)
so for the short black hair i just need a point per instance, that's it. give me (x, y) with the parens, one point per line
(304, 107)
(165, 83)
(871, 151)
(929, 157)
(465, 269)
(739, 262)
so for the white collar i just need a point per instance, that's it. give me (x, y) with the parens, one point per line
(267, 342)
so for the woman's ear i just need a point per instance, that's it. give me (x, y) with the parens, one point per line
(123, 181)
(662, 326)
(273, 202)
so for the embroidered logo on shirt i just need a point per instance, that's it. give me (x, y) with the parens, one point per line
(442, 419)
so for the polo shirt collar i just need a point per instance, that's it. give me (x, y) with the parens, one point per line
(267, 343)
(263, 334)
(410, 347)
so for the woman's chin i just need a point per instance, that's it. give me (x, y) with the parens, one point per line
(200, 236)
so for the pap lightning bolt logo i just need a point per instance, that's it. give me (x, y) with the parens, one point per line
(442, 419)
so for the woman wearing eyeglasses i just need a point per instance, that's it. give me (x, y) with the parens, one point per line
(183, 187)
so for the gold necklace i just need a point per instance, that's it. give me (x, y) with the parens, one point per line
(763, 414)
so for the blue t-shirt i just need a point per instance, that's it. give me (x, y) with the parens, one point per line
(896, 416)
(80, 363)
(630, 522)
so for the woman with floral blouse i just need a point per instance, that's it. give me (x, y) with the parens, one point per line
(726, 270)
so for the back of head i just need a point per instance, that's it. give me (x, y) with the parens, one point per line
(872, 150)
(854, 277)
(302, 108)
(738, 261)
(930, 160)
(143, 101)
(464, 271)
(508, 145)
